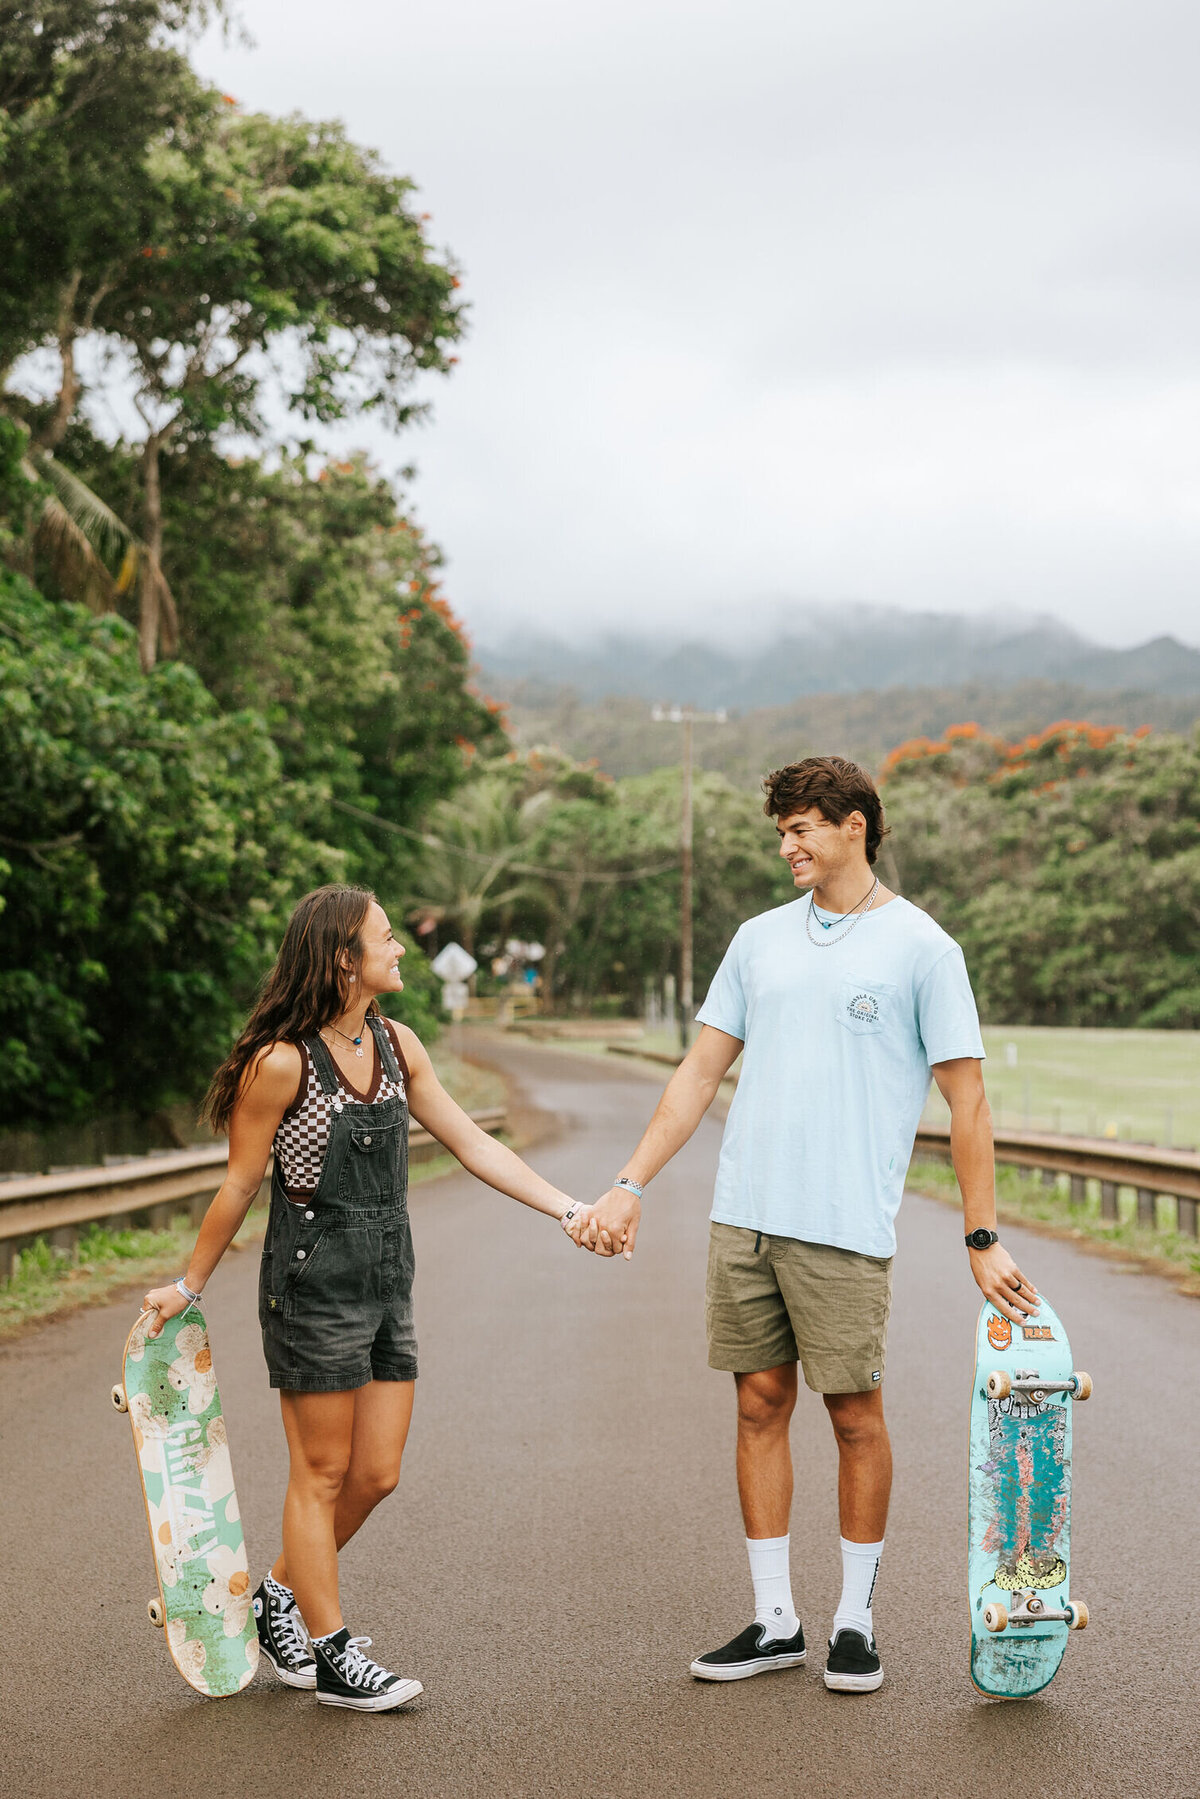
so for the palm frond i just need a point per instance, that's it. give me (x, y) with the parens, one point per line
(97, 520)
(78, 567)
(80, 533)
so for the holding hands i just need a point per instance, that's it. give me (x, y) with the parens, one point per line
(610, 1227)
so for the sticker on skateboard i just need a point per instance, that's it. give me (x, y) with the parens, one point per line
(169, 1390)
(1019, 1503)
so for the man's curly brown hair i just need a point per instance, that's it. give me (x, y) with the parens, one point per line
(835, 787)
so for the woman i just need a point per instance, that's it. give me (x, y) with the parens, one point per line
(322, 1081)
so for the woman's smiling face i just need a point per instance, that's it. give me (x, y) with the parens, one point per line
(379, 967)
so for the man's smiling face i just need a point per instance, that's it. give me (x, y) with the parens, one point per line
(814, 848)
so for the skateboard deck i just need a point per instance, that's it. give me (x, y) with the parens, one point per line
(169, 1390)
(1019, 1503)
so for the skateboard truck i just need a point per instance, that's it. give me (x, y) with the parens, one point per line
(1001, 1385)
(1031, 1609)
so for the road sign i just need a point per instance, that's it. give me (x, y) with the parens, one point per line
(454, 963)
(455, 995)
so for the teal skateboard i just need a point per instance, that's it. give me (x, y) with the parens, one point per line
(204, 1604)
(1019, 1503)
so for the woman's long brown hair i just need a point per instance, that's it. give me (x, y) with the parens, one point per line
(308, 986)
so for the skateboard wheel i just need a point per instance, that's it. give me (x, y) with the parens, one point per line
(156, 1613)
(1079, 1615)
(118, 1397)
(1083, 1386)
(995, 1618)
(999, 1386)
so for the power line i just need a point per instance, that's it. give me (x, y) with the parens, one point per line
(525, 868)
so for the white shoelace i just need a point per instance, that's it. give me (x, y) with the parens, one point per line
(359, 1669)
(288, 1631)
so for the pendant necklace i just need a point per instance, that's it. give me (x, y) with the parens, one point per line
(356, 1041)
(828, 942)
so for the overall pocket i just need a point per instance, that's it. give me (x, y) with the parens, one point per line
(376, 1159)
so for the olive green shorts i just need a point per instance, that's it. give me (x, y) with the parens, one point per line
(771, 1300)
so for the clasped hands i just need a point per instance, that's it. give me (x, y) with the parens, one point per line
(608, 1228)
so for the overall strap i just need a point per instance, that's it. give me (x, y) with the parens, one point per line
(386, 1047)
(324, 1063)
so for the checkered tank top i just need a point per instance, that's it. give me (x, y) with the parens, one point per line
(303, 1135)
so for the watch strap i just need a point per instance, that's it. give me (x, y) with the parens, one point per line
(992, 1237)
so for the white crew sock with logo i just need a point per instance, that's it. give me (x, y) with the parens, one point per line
(860, 1566)
(773, 1607)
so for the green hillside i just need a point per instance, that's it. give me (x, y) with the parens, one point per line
(620, 734)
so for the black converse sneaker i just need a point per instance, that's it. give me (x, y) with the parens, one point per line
(345, 1676)
(854, 1665)
(282, 1636)
(751, 1652)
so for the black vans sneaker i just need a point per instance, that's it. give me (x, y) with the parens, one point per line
(854, 1665)
(282, 1636)
(751, 1652)
(345, 1676)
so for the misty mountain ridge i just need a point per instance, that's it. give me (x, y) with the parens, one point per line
(843, 649)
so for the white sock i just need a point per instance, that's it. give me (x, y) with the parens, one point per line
(773, 1606)
(860, 1565)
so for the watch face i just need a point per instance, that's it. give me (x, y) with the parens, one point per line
(980, 1239)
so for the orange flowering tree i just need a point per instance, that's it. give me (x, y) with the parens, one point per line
(1067, 865)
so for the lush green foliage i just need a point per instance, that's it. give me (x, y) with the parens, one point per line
(157, 823)
(152, 848)
(1068, 867)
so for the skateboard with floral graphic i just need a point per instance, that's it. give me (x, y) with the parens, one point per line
(169, 1390)
(1019, 1503)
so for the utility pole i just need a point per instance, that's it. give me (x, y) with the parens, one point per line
(686, 716)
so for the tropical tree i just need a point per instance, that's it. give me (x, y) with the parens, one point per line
(476, 847)
(284, 255)
(1067, 865)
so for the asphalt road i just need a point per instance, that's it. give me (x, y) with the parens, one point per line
(565, 1536)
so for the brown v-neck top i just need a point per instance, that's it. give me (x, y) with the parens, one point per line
(303, 1134)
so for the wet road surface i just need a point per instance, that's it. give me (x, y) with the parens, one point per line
(565, 1536)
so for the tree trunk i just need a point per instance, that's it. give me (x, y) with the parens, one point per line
(149, 590)
(54, 430)
(158, 622)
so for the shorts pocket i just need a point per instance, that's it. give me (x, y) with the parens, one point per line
(305, 1252)
(864, 1006)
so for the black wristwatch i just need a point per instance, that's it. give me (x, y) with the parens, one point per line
(981, 1239)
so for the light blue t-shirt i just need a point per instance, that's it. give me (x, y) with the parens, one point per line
(839, 1045)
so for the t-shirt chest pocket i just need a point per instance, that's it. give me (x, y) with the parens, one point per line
(865, 1007)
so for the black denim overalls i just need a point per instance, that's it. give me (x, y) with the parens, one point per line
(335, 1287)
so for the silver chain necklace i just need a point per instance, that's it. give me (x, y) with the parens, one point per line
(828, 942)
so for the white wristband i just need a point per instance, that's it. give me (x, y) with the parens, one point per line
(623, 1180)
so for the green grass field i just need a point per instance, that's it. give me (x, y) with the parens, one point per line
(1141, 1086)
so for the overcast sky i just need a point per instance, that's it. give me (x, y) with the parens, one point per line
(780, 302)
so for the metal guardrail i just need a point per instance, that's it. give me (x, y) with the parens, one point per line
(1148, 1170)
(144, 1192)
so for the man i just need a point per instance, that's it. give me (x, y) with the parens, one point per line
(843, 1001)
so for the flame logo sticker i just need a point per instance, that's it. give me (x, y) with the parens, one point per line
(999, 1332)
